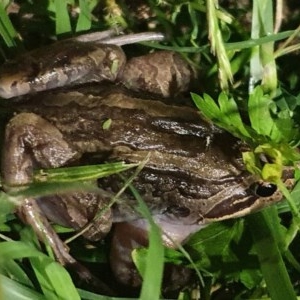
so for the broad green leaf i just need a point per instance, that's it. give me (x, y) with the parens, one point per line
(226, 115)
(250, 278)
(259, 112)
(284, 130)
(207, 106)
(230, 114)
(271, 173)
(251, 163)
(215, 238)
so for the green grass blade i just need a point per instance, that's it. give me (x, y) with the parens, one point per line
(13, 270)
(263, 65)
(266, 245)
(54, 280)
(217, 45)
(152, 277)
(84, 21)
(62, 20)
(80, 173)
(7, 30)
(10, 289)
(86, 295)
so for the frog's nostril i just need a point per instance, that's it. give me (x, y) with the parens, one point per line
(263, 189)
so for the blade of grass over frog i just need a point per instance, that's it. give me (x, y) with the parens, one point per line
(152, 277)
(11, 289)
(44, 189)
(62, 19)
(7, 30)
(271, 262)
(127, 183)
(89, 172)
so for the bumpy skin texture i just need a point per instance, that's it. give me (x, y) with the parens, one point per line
(147, 74)
(190, 178)
(62, 64)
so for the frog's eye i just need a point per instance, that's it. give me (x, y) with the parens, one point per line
(263, 189)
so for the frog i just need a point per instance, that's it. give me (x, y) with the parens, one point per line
(194, 173)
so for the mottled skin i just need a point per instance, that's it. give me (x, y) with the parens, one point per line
(194, 174)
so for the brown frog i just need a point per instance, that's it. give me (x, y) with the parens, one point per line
(194, 174)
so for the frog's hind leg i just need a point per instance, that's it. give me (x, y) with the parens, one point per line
(31, 141)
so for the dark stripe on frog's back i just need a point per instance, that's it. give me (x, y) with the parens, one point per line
(142, 126)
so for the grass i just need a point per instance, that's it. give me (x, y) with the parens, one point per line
(243, 68)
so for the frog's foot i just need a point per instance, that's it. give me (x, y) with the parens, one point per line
(30, 212)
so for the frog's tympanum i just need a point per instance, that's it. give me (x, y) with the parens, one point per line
(194, 174)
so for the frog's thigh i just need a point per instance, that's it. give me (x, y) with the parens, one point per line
(32, 141)
(29, 141)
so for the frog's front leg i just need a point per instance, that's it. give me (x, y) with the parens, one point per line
(32, 142)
